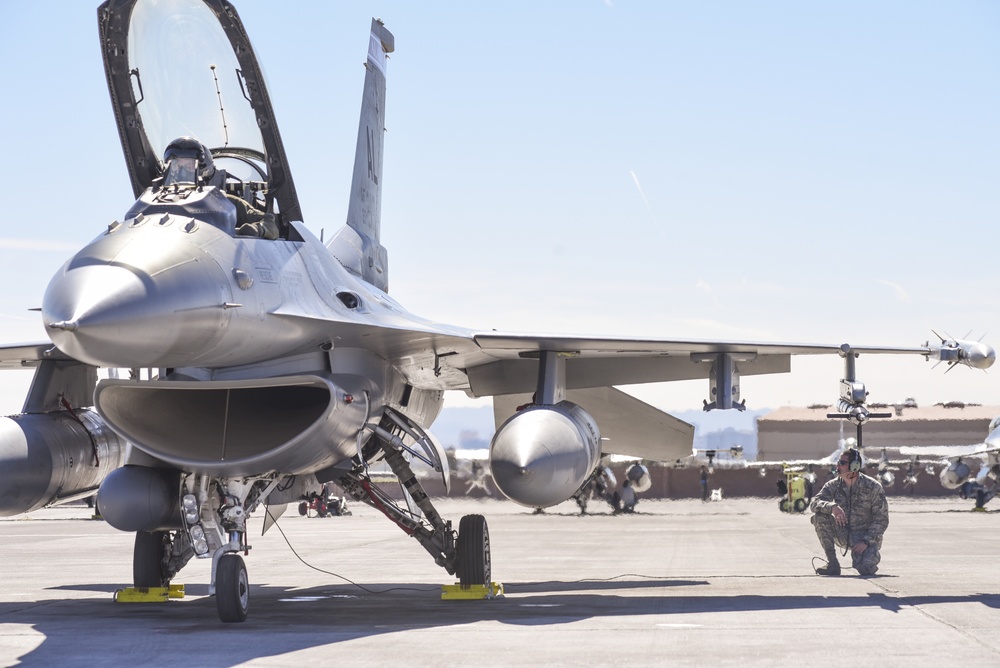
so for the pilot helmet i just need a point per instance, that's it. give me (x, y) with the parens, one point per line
(187, 161)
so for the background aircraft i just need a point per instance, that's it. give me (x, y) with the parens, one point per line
(264, 361)
(955, 463)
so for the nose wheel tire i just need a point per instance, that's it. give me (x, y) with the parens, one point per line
(147, 559)
(232, 589)
(473, 551)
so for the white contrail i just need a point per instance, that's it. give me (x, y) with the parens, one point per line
(652, 216)
(901, 294)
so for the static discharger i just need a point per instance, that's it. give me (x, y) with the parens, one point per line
(149, 594)
(457, 592)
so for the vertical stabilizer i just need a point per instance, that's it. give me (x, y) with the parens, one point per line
(357, 245)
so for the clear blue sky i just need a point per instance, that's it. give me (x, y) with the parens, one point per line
(783, 171)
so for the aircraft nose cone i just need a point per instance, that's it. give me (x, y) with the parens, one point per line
(125, 315)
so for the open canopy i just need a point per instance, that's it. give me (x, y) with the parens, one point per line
(186, 68)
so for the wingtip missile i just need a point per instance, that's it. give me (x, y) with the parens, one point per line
(974, 354)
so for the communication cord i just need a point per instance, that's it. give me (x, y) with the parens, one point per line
(337, 575)
(850, 497)
(433, 588)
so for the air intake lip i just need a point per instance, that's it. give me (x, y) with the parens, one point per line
(292, 424)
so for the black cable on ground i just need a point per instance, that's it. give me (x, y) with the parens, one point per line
(337, 575)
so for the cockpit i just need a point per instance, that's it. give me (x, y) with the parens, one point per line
(191, 184)
(194, 115)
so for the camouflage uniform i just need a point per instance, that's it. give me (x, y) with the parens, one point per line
(867, 518)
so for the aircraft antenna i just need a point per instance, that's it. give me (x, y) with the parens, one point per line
(222, 110)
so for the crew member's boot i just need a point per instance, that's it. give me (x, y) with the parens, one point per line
(832, 566)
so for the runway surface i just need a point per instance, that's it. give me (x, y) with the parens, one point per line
(680, 583)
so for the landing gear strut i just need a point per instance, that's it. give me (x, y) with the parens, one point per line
(213, 513)
(468, 553)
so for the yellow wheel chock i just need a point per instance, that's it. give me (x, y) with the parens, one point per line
(457, 592)
(149, 594)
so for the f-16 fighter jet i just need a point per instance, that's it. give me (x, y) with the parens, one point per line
(258, 362)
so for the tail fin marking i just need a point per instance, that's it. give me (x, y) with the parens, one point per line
(357, 245)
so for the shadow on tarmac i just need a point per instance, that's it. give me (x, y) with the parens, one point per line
(288, 619)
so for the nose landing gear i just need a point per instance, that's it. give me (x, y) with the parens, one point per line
(232, 588)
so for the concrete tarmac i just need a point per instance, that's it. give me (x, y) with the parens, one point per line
(679, 583)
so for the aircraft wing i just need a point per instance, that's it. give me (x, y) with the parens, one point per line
(515, 344)
(789, 462)
(948, 451)
(511, 364)
(990, 445)
(829, 460)
(27, 355)
(492, 363)
(437, 356)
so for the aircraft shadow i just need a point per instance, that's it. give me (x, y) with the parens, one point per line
(288, 619)
(595, 585)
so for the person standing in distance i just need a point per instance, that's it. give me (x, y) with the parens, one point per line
(851, 512)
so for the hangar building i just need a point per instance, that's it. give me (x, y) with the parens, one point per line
(806, 433)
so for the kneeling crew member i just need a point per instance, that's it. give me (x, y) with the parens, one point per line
(851, 512)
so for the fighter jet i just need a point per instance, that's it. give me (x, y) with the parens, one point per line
(263, 362)
(956, 473)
